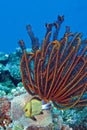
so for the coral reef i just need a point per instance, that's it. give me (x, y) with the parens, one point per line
(13, 65)
(13, 99)
(9, 71)
(13, 96)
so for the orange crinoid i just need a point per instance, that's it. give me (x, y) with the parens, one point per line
(57, 70)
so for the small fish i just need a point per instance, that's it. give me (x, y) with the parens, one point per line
(33, 107)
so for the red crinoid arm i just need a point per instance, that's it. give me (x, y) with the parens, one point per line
(26, 77)
(48, 68)
(62, 88)
(68, 69)
(73, 59)
(56, 48)
(25, 80)
(66, 96)
(70, 103)
(38, 67)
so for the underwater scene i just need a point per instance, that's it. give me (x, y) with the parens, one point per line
(43, 79)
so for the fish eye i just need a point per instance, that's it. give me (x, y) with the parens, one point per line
(26, 110)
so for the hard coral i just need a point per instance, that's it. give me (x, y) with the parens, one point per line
(58, 70)
(5, 119)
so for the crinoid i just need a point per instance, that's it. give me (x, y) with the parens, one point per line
(57, 70)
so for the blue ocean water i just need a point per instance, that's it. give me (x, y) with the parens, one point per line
(16, 14)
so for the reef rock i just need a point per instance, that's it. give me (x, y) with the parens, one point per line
(13, 66)
(4, 58)
(50, 127)
(6, 83)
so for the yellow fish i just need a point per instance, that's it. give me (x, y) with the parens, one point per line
(33, 107)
